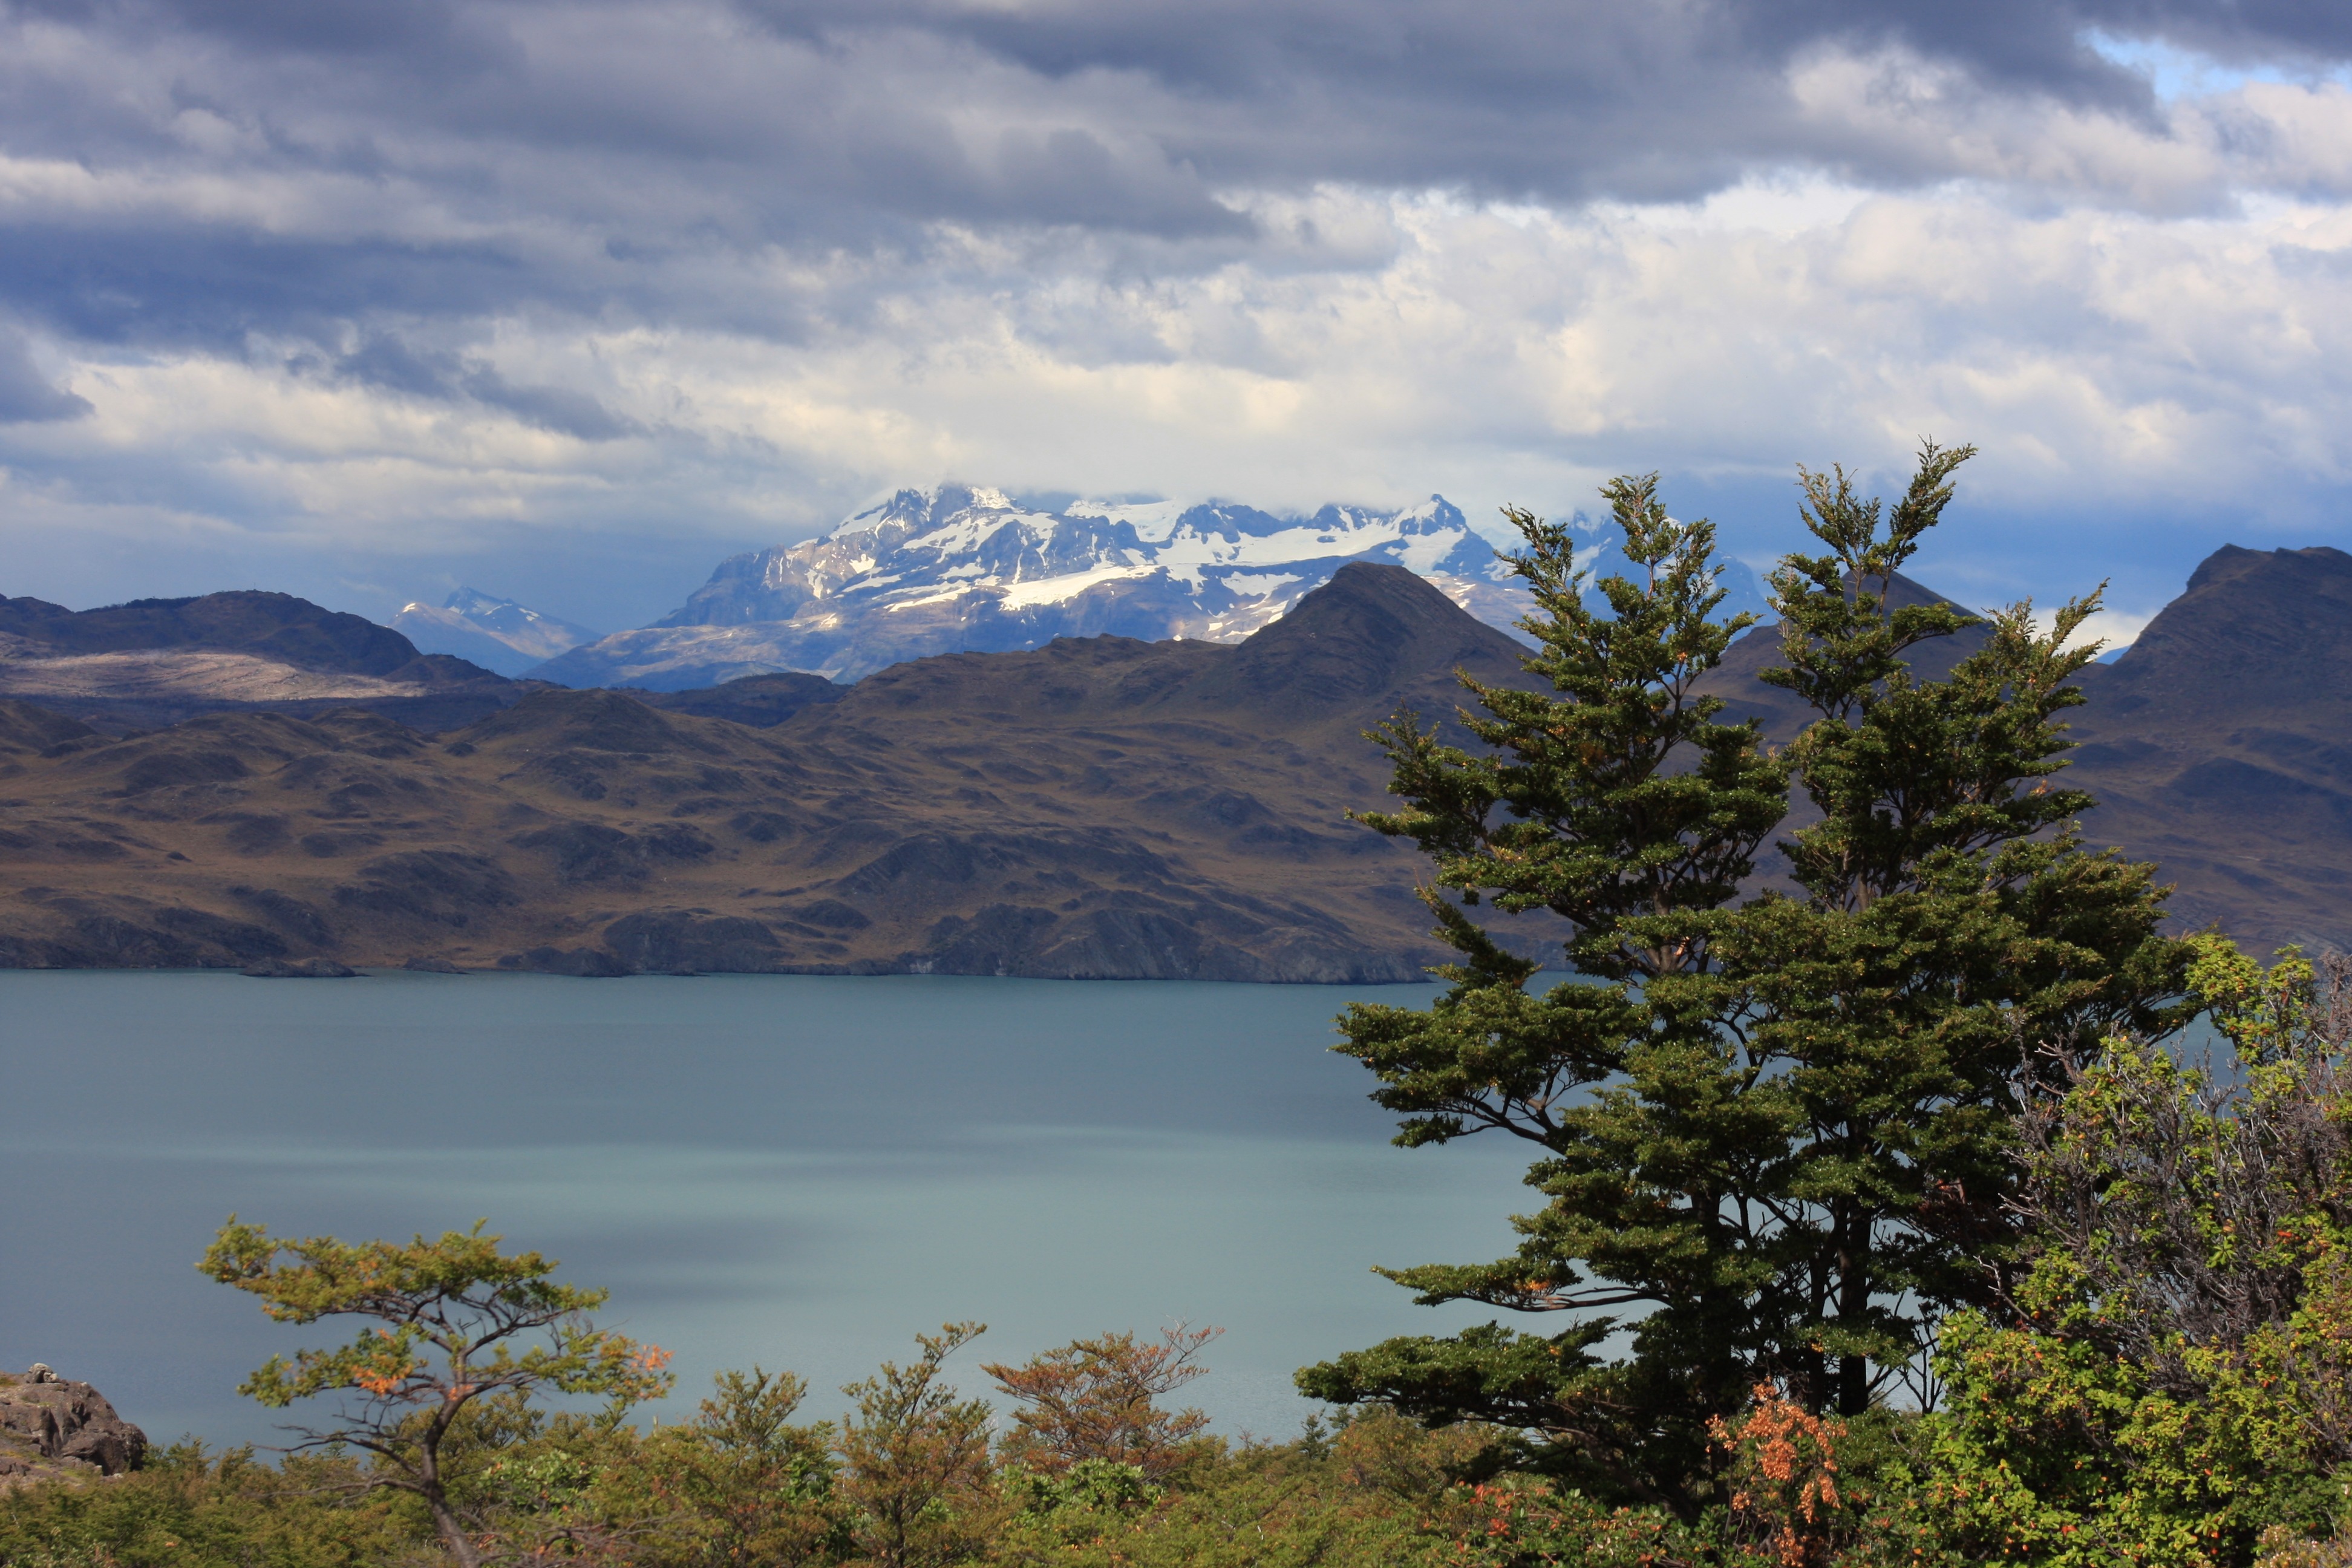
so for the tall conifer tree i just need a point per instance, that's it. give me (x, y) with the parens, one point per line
(1773, 1125)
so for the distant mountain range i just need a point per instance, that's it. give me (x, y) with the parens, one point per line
(959, 569)
(155, 661)
(1100, 806)
(498, 634)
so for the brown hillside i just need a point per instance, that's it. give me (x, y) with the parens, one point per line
(2219, 746)
(157, 662)
(1096, 807)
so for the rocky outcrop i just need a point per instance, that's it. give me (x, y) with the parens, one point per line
(52, 1428)
(304, 969)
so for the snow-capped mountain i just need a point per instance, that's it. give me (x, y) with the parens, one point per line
(962, 568)
(497, 634)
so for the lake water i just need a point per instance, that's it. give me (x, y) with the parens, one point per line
(801, 1171)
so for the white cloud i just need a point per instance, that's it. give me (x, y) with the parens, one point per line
(2113, 629)
(2094, 353)
(2122, 311)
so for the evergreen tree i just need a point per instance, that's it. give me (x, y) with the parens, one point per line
(1776, 1126)
(1949, 932)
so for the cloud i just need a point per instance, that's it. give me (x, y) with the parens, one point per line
(2103, 358)
(26, 395)
(385, 361)
(389, 282)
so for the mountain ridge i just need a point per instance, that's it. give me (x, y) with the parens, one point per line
(1097, 806)
(499, 635)
(156, 661)
(962, 568)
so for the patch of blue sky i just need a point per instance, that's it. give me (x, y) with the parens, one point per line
(2177, 73)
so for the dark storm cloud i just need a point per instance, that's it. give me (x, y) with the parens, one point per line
(220, 171)
(387, 363)
(437, 30)
(208, 286)
(1563, 100)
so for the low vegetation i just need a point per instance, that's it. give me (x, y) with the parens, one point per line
(1890, 1222)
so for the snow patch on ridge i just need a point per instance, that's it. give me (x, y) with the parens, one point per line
(966, 567)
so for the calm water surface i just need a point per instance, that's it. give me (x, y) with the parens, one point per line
(801, 1171)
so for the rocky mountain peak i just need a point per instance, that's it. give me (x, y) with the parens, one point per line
(2255, 627)
(1370, 629)
(967, 568)
(498, 634)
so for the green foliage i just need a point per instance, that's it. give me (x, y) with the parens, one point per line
(2172, 1378)
(1949, 910)
(1630, 1087)
(740, 1484)
(1574, 807)
(743, 1483)
(450, 1315)
(192, 1509)
(1518, 1521)
(460, 1337)
(915, 1465)
(1094, 1487)
(1267, 1507)
(1777, 1129)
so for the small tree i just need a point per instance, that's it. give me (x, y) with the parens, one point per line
(450, 1324)
(1098, 1400)
(742, 1483)
(2172, 1376)
(915, 1461)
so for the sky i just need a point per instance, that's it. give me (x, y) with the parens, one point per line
(568, 299)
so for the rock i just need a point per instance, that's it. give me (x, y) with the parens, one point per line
(424, 963)
(694, 942)
(306, 969)
(581, 962)
(55, 1428)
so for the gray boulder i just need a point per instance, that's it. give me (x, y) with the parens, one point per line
(55, 1428)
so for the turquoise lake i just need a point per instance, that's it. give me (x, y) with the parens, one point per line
(796, 1171)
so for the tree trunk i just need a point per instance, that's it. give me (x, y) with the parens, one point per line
(445, 1522)
(1853, 1306)
(452, 1532)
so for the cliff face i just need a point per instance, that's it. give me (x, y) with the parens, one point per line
(52, 1428)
